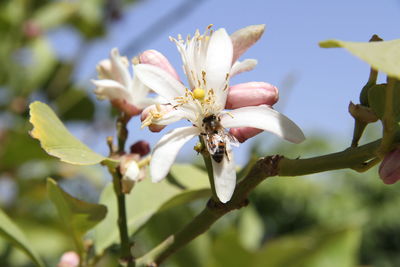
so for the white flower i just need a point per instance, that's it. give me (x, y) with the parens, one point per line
(117, 84)
(207, 61)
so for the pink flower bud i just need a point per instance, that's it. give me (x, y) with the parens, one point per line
(69, 259)
(125, 107)
(244, 133)
(155, 58)
(140, 147)
(251, 94)
(389, 170)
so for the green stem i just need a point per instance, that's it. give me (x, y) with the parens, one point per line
(388, 119)
(262, 169)
(122, 135)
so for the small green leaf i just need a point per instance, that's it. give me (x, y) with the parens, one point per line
(383, 56)
(12, 233)
(147, 199)
(56, 140)
(251, 228)
(54, 14)
(78, 216)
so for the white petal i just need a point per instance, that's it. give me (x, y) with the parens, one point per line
(121, 68)
(172, 116)
(242, 66)
(224, 177)
(159, 81)
(109, 89)
(167, 148)
(218, 63)
(139, 92)
(132, 172)
(264, 118)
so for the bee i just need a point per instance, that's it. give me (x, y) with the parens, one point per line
(216, 138)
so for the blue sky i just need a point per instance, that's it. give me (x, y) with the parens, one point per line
(323, 81)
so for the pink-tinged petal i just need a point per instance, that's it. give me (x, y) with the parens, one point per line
(167, 148)
(244, 38)
(242, 66)
(389, 170)
(159, 81)
(218, 64)
(244, 133)
(224, 177)
(251, 94)
(264, 118)
(125, 107)
(155, 58)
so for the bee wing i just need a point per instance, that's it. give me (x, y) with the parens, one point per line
(231, 140)
(212, 143)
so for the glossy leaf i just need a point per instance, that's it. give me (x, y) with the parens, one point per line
(13, 234)
(147, 199)
(78, 216)
(56, 140)
(383, 56)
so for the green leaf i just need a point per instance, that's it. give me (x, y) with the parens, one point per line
(78, 216)
(383, 56)
(56, 140)
(54, 14)
(12, 233)
(251, 228)
(147, 199)
(376, 100)
(318, 248)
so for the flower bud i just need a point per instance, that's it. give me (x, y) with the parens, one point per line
(69, 259)
(125, 107)
(389, 170)
(155, 58)
(31, 29)
(251, 94)
(140, 147)
(130, 171)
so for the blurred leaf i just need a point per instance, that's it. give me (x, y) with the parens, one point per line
(55, 14)
(90, 18)
(318, 248)
(78, 216)
(376, 100)
(12, 233)
(56, 140)
(383, 56)
(74, 104)
(251, 228)
(147, 199)
(43, 62)
(227, 251)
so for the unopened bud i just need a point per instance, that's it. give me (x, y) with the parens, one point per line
(251, 94)
(389, 170)
(362, 113)
(130, 172)
(69, 259)
(140, 147)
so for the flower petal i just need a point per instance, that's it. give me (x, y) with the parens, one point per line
(110, 89)
(167, 148)
(224, 177)
(121, 68)
(159, 81)
(251, 94)
(155, 58)
(264, 118)
(132, 171)
(244, 38)
(242, 66)
(218, 63)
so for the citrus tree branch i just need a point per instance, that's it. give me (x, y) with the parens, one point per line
(352, 158)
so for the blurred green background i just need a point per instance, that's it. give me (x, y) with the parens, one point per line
(339, 218)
